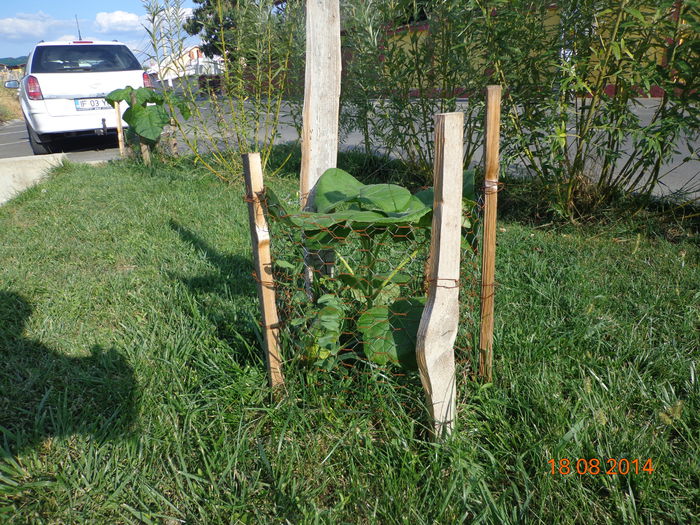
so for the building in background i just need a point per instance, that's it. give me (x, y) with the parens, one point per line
(173, 71)
(12, 68)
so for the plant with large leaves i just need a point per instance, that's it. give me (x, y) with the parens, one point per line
(146, 114)
(373, 299)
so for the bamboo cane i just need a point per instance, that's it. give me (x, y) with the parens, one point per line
(120, 129)
(488, 261)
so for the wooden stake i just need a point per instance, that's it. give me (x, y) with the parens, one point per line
(319, 141)
(488, 256)
(174, 151)
(120, 130)
(260, 236)
(440, 320)
(145, 154)
(145, 151)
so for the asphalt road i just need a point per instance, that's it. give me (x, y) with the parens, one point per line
(15, 143)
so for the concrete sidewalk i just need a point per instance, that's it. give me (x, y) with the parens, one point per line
(19, 173)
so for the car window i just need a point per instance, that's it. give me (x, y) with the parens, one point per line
(82, 58)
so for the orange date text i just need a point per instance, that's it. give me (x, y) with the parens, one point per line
(595, 467)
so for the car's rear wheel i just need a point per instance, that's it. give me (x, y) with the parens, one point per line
(39, 148)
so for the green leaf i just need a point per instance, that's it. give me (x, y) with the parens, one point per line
(334, 187)
(615, 46)
(391, 291)
(637, 14)
(182, 105)
(426, 196)
(119, 95)
(147, 122)
(276, 207)
(388, 198)
(315, 240)
(310, 221)
(148, 96)
(468, 185)
(414, 206)
(468, 205)
(355, 219)
(285, 264)
(354, 285)
(361, 216)
(326, 328)
(389, 333)
(398, 277)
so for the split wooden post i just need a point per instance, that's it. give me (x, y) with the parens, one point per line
(438, 326)
(319, 134)
(319, 141)
(120, 129)
(260, 236)
(488, 252)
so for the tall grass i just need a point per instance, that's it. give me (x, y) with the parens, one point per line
(9, 105)
(132, 388)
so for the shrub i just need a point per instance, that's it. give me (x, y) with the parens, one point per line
(571, 74)
(256, 42)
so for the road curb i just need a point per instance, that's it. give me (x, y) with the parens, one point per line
(19, 173)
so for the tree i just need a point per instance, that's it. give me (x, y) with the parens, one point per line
(216, 21)
(208, 20)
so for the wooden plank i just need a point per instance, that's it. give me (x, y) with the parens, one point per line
(319, 141)
(488, 257)
(120, 130)
(440, 320)
(260, 236)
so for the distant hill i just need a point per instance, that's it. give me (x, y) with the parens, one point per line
(12, 62)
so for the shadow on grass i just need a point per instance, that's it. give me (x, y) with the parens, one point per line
(531, 201)
(233, 276)
(44, 394)
(233, 273)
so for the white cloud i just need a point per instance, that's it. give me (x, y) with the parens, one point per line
(34, 26)
(170, 18)
(118, 21)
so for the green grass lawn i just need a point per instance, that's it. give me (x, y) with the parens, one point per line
(132, 388)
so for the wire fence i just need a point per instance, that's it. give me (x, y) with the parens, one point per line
(351, 283)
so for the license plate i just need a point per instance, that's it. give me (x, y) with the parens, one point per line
(88, 104)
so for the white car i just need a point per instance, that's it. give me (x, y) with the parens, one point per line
(62, 93)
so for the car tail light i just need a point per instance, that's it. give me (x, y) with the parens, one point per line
(33, 89)
(147, 82)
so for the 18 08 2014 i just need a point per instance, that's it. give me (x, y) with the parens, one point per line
(595, 466)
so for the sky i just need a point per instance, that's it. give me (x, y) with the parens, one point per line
(23, 23)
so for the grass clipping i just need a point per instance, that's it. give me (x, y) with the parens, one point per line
(9, 105)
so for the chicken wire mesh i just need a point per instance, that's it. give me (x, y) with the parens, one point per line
(351, 279)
